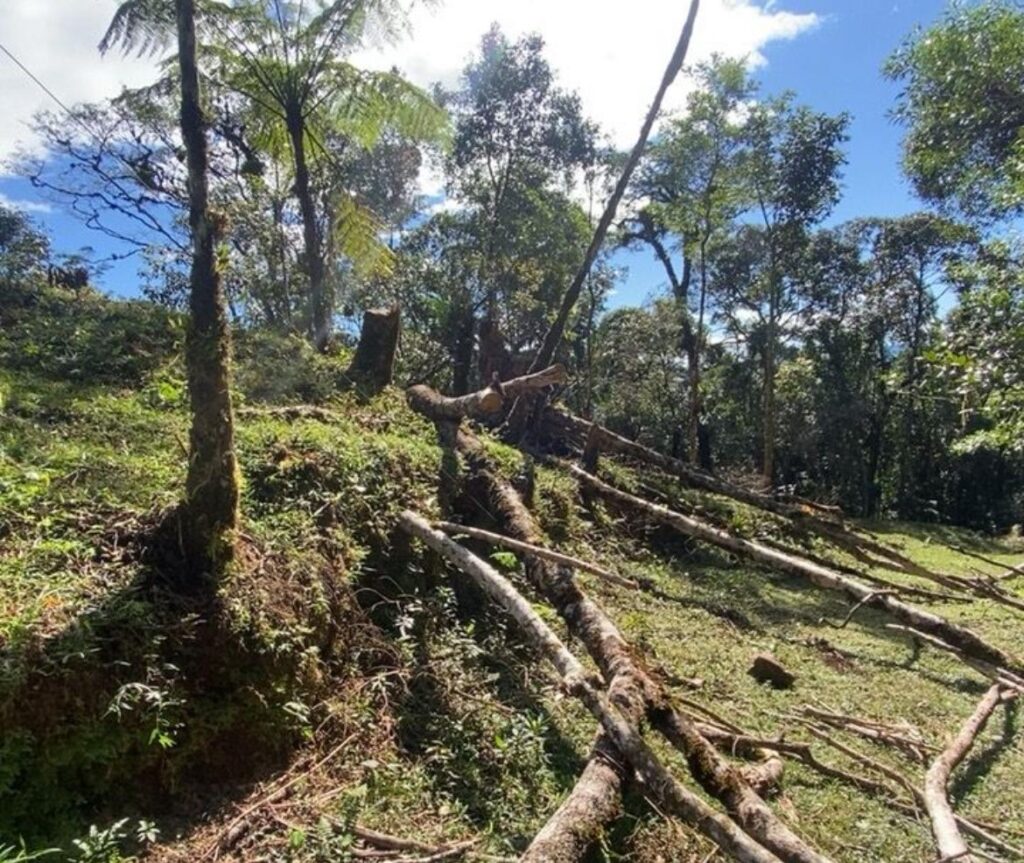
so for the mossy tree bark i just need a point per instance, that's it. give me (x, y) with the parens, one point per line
(210, 511)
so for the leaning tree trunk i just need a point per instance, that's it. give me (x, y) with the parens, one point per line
(210, 512)
(554, 334)
(373, 366)
(320, 311)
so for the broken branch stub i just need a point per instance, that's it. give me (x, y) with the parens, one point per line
(483, 403)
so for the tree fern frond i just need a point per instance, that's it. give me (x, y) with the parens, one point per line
(143, 26)
(368, 103)
(357, 236)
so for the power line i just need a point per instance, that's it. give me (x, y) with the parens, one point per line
(147, 220)
(36, 80)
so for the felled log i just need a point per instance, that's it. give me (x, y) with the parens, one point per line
(631, 689)
(538, 550)
(595, 800)
(483, 403)
(814, 519)
(373, 365)
(958, 636)
(948, 840)
(672, 796)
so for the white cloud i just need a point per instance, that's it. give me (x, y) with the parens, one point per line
(612, 55)
(24, 206)
(56, 40)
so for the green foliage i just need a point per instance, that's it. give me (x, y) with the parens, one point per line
(23, 248)
(83, 338)
(962, 101)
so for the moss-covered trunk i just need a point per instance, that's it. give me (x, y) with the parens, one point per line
(210, 513)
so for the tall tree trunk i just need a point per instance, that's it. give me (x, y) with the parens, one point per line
(553, 337)
(693, 425)
(320, 311)
(768, 390)
(211, 486)
(462, 359)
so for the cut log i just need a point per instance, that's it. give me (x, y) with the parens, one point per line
(483, 403)
(537, 550)
(948, 840)
(813, 519)
(373, 366)
(595, 800)
(671, 796)
(631, 689)
(958, 636)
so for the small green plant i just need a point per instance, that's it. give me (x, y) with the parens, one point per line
(101, 846)
(153, 700)
(104, 846)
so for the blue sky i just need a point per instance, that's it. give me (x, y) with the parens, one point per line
(835, 66)
(830, 52)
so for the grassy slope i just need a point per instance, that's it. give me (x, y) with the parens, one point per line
(447, 726)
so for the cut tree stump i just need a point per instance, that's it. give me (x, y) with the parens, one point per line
(373, 366)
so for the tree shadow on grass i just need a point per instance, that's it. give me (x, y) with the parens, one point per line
(146, 703)
(978, 767)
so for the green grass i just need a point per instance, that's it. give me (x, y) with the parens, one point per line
(115, 704)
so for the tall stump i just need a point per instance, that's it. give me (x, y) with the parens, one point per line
(373, 366)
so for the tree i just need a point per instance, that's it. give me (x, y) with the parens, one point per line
(519, 143)
(792, 159)
(983, 349)
(638, 373)
(23, 248)
(287, 59)
(209, 514)
(691, 187)
(212, 483)
(963, 105)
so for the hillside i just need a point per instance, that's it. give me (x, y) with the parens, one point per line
(346, 680)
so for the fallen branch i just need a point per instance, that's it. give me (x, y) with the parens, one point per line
(537, 550)
(1004, 573)
(483, 403)
(986, 669)
(671, 796)
(804, 517)
(967, 641)
(906, 739)
(595, 800)
(948, 839)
